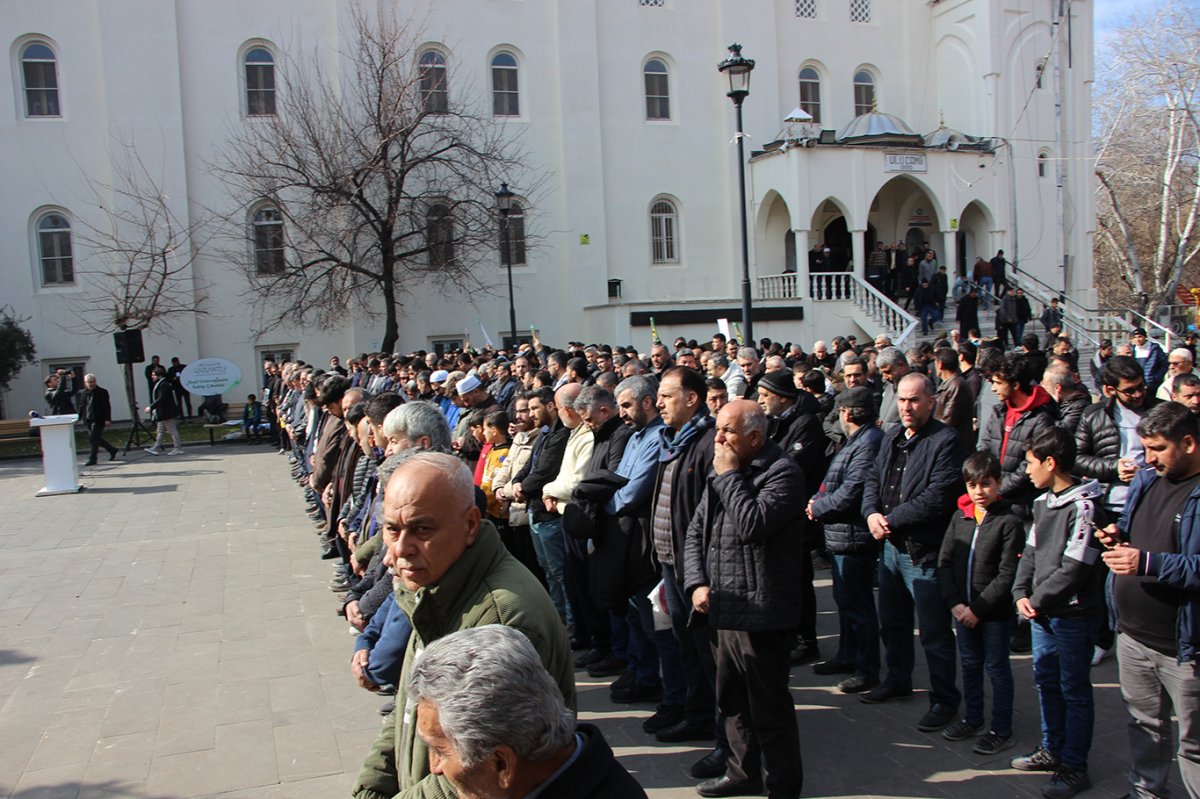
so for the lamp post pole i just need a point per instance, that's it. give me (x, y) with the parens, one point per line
(737, 69)
(504, 203)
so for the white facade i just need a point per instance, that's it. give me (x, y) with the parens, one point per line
(168, 76)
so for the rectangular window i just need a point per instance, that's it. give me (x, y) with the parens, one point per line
(268, 249)
(662, 236)
(505, 98)
(658, 99)
(806, 9)
(58, 266)
(260, 90)
(41, 89)
(860, 10)
(810, 99)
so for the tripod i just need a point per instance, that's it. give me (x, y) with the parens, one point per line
(136, 431)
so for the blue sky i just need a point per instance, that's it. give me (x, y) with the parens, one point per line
(1109, 13)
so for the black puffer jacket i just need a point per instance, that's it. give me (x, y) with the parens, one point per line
(987, 560)
(1015, 485)
(838, 504)
(745, 543)
(799, 433)
(1099, 441)
(1070, 410)
(687, 488)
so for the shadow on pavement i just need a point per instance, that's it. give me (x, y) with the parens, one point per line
(9, 656)
(72, 789)
(162, 489)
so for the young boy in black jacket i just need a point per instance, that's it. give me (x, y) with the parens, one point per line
(976, 567)
(1058, 589)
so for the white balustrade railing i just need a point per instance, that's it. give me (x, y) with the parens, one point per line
(845, 287)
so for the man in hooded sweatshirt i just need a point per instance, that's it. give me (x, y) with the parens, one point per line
(1024, 412)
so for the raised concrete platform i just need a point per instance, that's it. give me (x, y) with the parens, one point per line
(168, 633)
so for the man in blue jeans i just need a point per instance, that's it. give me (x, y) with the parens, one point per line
(908, 500)
(543, 467)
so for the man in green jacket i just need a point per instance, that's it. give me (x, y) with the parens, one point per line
(455, 574)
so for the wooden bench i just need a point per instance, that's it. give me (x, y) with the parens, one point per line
(15, 428)
(233, 412)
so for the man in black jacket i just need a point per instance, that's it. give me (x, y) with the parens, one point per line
(543, 466)
(684, 465)
(794, 423)
(907, 501)
(742, 567)
(96, 412)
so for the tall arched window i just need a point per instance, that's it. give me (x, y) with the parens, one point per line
(439, 235)
(54, 249)
(864, 92)
(658, 90)
(664, 229)
(260, 82)
(1041, 164)
(810, 93)
(435, 96)
(267, 224)
(39, 73)
(506, 100)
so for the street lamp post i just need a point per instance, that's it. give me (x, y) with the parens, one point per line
(737, 70)
(504, 204)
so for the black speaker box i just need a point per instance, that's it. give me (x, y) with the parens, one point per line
(129, 346)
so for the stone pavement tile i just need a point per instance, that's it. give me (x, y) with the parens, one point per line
(337, 785)
(297, 692)
(354, 744)
(306, 750)
(14, 756)
(61, 746)
(243, 757)
(201, 690)
(55, 782)
(244, 700)
(135, 707)
(121, 757)
(190, 728)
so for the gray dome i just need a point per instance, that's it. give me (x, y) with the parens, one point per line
(874, 124)
(944, 137)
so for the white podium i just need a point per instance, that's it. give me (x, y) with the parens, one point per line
(58, 454)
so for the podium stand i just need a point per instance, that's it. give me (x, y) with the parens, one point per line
(58, 454)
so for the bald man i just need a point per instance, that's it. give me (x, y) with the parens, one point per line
(742, 567)
(436, 539)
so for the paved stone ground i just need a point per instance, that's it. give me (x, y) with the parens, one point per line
(168, 633)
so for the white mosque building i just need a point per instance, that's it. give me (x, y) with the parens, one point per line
(963, 124)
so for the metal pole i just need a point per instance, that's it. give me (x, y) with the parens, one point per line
(512, 311)
(747, 323)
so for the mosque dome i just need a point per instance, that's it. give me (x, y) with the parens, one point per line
(878, 127)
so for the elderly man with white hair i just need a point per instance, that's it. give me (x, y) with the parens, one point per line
(492, 741)
(454, 574)
(1179, 362)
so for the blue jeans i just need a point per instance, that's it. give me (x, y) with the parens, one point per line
(986, 647)
(985, 291)
(551, 550)
(858, 626)
(905, 587)
(1062, 670)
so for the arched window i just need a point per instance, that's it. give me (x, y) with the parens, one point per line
(260, 82)
(439, 235)
(1041, 164)
(435, 96)
(516, 234)
(664, 230)
(54, 249)
(267, 224)
(810, 93)
(506, 101)
(658, 92)
(39, 72)
(864, 92)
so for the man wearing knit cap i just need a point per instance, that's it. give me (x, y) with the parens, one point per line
(794, 419)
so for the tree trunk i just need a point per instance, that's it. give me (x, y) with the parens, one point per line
(391, 327)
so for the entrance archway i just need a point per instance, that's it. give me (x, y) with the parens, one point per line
(974, 235)
(903, 210)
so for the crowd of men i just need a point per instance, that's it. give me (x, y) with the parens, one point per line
(656, 518)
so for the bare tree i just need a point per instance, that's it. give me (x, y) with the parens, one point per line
(383, 176)
(137, 273)
(1148, 183)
